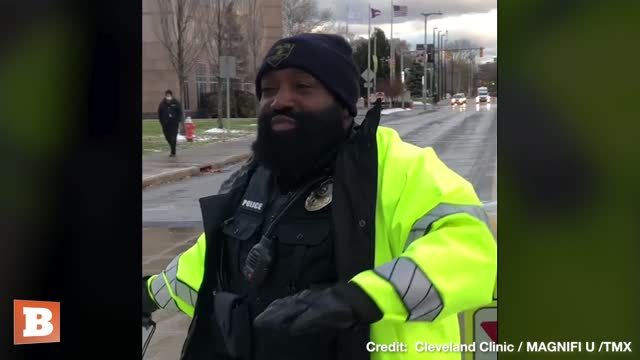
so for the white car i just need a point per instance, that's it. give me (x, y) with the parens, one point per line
(458, 99)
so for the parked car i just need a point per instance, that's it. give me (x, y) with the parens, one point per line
(458, 99)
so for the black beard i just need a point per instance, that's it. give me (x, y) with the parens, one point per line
(308, 147)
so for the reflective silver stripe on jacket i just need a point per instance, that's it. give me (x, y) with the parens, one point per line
(422, 226)
(161, 292)
(419, 296)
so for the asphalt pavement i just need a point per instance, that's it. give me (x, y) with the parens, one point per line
(465, 138)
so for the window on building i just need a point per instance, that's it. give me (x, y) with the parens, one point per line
(213, 79)
(186, 102)
(201, 85)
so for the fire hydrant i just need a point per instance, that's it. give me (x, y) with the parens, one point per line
(190, 129)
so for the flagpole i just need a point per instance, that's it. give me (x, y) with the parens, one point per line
(369, 59)
(375, 54)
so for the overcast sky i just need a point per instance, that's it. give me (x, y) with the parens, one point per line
(476, 20)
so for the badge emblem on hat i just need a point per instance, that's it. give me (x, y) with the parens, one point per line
(279, 53)
(320, 197)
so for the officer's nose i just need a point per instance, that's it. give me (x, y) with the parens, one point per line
(283, 99)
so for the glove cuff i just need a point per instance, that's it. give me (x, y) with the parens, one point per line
(364, 308)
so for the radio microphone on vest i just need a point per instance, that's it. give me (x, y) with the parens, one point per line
(259, 260)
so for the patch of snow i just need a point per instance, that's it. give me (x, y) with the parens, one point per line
(391, 111)
(221, 131)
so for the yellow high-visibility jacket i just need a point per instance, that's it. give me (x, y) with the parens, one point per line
(435, 255)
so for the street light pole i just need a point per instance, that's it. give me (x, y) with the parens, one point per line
(439, 82)
(424, 60)
(444, 70)
(433, 73)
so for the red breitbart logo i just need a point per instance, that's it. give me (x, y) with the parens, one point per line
(36, 322)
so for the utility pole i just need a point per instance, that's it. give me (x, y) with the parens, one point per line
(439, 81)
(433, 72)
(368, 57)
(375, 55)
(392, 57)
(444, 70)
(424, 62)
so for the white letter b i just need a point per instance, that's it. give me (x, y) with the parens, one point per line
(37, 322)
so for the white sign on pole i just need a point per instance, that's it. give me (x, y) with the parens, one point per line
(368, 75)
(368, 84)
(485, 323)
(228, 66)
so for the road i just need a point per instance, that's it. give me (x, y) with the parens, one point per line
(464, 138)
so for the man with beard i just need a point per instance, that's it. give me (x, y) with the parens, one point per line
(334, 236)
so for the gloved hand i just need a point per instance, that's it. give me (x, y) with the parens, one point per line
(316, 311)
(147, 321)
(148, 305)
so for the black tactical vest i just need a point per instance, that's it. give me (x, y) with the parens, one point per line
(302, 257)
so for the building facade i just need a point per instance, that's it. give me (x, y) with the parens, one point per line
(159, 75)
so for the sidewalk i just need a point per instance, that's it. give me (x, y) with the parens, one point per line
(160, 168)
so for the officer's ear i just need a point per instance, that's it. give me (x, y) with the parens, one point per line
(347, 119)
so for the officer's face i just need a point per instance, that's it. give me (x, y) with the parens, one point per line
(299, 121)
(290, 91)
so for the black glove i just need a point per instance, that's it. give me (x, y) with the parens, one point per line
(148, 305)
(147, 321)
(316, 311)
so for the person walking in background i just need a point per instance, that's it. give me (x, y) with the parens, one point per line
(170, 114)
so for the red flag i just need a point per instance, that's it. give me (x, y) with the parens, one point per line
(375, 12)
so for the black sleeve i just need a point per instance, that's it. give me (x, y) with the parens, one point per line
(365, 309)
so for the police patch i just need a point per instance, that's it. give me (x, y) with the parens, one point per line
(279, 53)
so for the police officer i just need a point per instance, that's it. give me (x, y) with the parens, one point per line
(333, 235)
(170, 115)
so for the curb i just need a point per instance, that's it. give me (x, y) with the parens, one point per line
(178, 174)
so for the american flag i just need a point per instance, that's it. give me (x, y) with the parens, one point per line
(399, 10)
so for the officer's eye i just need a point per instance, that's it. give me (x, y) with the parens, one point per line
(303, 86)
(268, 89)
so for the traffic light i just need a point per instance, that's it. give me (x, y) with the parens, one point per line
(481, 52)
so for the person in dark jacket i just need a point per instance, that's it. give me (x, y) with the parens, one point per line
(170, 115)
(334, 234)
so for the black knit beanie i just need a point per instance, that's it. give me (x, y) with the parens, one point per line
(326, 57)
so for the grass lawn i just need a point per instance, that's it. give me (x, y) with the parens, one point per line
(153, 140)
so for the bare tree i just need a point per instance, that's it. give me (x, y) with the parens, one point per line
(254, 37)
(302, 16)
(181, 33)
(233, 41)
(460, 65)
(340, 29)
(214, 45)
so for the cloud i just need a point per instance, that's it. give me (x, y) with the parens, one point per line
(449, 8)
(480, 28)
